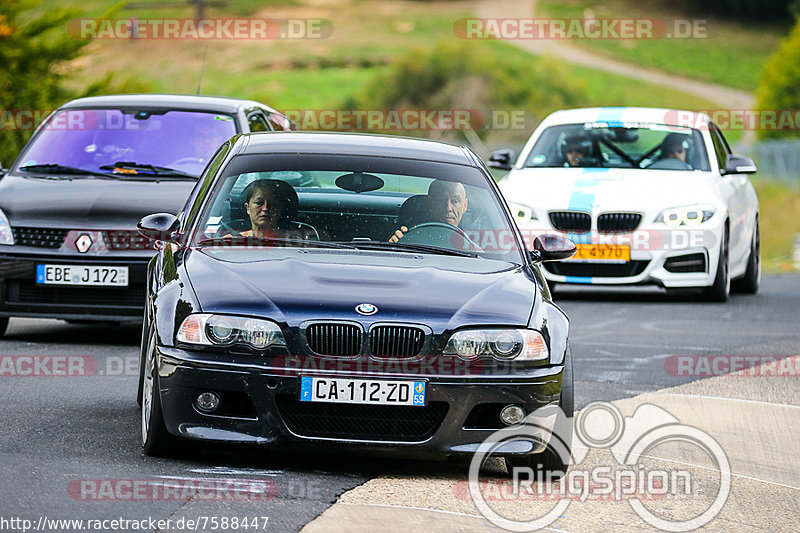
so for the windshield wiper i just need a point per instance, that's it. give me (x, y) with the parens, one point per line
(243, 241)
(426, 248)
(150, 169)
(55, 168)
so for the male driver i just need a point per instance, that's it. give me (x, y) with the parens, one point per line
(673, 153)
(576, 148)
(446, 202)
(674, 146)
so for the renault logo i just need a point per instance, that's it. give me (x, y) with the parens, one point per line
(83, 243)
(366, 309)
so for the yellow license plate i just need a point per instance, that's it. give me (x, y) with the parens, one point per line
(603, 252)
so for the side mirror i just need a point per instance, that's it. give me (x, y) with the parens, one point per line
(550, 247)
(160, 227)
(2, 170)
(501, 159)
(739, 164)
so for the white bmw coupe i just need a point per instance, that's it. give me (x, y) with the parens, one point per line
(648, 195)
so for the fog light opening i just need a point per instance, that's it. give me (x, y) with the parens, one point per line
(512, 414)
(207, 402)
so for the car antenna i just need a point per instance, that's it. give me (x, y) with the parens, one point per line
(202, 70)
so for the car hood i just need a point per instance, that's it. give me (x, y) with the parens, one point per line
(410, 288)
(90, 203)
(608, 189)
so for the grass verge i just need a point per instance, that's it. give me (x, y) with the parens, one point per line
(730, 54)
(780, 223)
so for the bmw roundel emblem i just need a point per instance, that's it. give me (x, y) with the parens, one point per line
(366, 309)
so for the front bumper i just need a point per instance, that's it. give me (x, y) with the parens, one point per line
(265, 409)
(20, 295)
(667, 258)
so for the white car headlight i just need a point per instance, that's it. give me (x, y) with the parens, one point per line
(221, 330)
(6, 236)
(522, 213)
(501, 344)
(690, 215)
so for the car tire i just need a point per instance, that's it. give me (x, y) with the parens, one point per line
(550, 461)
(142, 352)
(3, 325)
(156, 440)
(752, 275)
(721, 289)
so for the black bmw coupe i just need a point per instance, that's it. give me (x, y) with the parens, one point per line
(388, 305)
(70, 202)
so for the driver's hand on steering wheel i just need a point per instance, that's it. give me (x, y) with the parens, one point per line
(397, 235)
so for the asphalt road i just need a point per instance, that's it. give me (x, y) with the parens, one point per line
(69, 445)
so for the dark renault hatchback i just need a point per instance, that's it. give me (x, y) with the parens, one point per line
(389, 305)
(70, 202)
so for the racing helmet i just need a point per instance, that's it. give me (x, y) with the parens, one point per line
(577, 142)
(674, 142)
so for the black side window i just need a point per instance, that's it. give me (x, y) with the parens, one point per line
(720, 145)
(257, 122)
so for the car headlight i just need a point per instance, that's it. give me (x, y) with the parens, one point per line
(6, 236)
(501, 344)
(691, 215)
(522, 213)
(222, 330)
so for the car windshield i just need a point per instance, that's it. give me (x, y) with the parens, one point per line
(128, 142)
(620, 145)
(357, 203)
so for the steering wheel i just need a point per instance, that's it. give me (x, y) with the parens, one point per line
(225, 229)
(431, 231)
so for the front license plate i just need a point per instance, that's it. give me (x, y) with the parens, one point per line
(95, 276)
(616, 253)
(366, 391)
